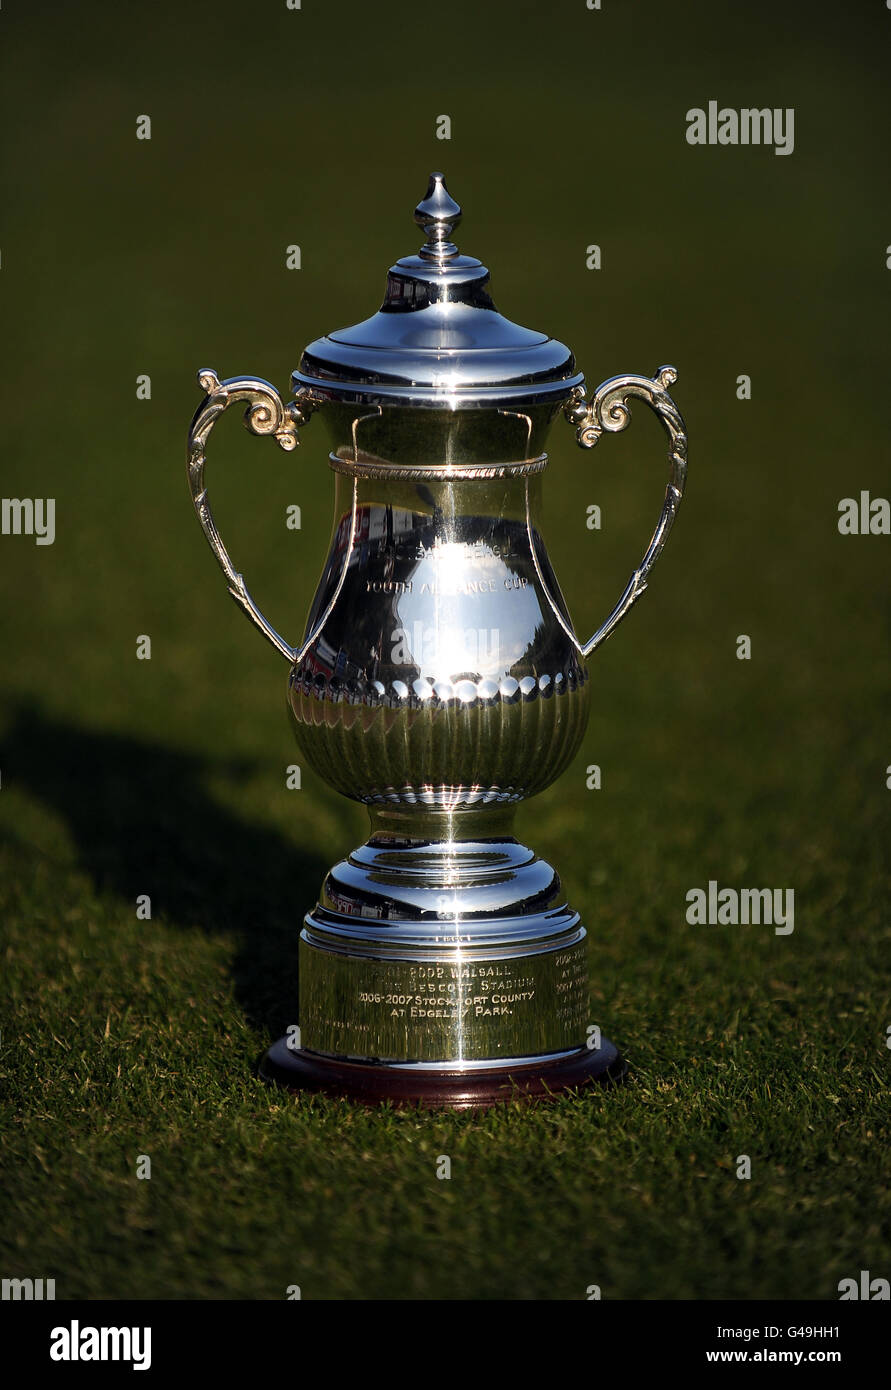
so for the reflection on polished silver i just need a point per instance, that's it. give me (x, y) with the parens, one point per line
(511, 1063)
(440, 680)
(439, 215)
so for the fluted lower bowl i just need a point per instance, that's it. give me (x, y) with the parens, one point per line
(444, 744)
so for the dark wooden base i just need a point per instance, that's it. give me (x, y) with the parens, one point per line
(452, 1090)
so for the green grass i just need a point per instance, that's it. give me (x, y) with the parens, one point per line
(126, 1037)
(120, 777)
(136, 1041)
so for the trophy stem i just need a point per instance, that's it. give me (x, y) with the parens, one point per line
(443, 967)
(492, 820)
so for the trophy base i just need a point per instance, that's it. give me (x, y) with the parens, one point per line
(443, 967)
(443, 1088)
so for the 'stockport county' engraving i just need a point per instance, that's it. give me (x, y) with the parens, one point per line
(523, 1006)
(442, 992)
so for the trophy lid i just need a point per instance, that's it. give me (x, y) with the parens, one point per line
(437, 341)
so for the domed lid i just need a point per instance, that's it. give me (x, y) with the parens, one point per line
(437, 340)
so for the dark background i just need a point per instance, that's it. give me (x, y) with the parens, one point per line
(121, 777)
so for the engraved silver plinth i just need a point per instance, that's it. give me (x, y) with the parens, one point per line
(445, 949)
(440, 682)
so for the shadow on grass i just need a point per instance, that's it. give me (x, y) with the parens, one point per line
(143, 822)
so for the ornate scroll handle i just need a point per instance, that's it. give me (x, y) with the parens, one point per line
(608, 411)
(265, 415)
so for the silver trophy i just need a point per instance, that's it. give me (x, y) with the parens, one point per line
(440, 682)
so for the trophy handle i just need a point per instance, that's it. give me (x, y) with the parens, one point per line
(265, 414)
(608, 411)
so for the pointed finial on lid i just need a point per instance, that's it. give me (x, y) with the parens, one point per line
(438, 214)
